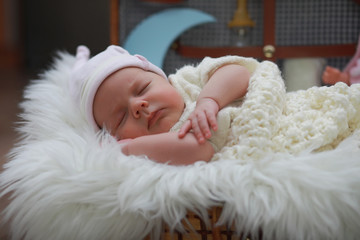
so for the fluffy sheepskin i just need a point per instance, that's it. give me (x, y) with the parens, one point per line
(69, 183)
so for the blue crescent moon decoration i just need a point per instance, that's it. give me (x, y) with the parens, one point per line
(154, 35)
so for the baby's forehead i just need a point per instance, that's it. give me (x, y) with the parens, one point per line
(122, 78)
(130, 77)
(130, 72)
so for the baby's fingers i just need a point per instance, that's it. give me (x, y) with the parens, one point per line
(197, 131)
(204, 125)
(212, 120)
(185, 129)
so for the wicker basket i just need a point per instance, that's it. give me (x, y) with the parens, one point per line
(197, 229)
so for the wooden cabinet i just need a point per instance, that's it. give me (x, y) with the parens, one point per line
(10, 52)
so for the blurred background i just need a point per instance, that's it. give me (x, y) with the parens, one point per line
(31, 31)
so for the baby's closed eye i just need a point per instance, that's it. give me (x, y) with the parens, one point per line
(143, 88)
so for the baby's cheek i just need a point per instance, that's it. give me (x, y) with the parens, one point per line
(126, 140)
(167, 123)
(132, 132)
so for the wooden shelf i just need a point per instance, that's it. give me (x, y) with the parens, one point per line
(281, 52)
(200, 52)
(164, 1)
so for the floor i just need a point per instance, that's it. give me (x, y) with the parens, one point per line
(11, 89)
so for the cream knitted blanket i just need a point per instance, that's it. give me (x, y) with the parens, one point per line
(269, 119)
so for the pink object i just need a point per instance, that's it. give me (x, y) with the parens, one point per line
(88, 74)
(353, 67)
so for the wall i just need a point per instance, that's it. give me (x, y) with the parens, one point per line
(62, 25)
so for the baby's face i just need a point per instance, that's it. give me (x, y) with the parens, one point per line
(132, 102)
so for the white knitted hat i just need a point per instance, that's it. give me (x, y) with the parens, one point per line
(88, 74)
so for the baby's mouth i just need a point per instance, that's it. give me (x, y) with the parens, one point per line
(153, 117)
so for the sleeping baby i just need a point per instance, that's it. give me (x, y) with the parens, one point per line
(229, 107)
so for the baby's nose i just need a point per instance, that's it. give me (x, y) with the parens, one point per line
(139, 107)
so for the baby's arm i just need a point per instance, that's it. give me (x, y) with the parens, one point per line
(227, 84)
(169, 148)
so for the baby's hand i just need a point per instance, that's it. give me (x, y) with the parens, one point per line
(201, 119)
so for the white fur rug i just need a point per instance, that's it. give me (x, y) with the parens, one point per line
(65, 185)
